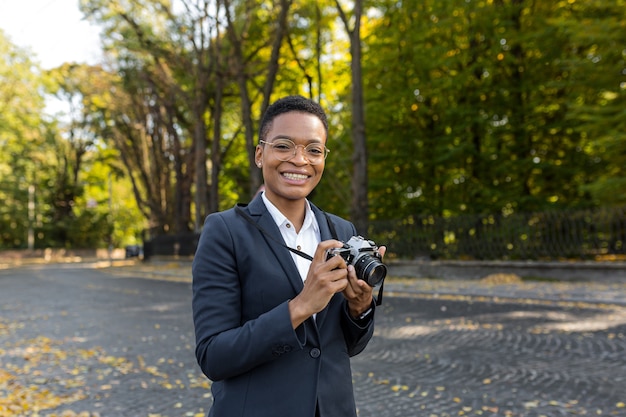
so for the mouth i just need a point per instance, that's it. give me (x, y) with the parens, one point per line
(295, 177)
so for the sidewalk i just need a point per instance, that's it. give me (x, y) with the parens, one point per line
(497, 287)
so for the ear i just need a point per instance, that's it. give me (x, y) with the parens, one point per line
(258, 156)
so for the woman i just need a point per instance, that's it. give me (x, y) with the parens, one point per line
(276, 318)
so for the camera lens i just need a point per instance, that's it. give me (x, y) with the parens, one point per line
(370, 270)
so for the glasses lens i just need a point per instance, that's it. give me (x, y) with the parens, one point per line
(315, 153)
(284, 150)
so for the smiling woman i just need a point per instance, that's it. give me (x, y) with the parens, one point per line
(272, 312)
(54, 31)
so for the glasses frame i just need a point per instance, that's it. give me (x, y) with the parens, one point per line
(295, 151)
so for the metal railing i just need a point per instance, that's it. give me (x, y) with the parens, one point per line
(569, 234)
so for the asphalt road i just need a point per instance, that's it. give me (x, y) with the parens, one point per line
(74, 339)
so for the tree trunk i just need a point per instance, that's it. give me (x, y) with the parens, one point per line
(246, 112)
(216, 152)
(359, 207)
(200, 167)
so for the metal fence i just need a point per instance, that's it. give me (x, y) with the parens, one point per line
(181, 244)
(581, 234)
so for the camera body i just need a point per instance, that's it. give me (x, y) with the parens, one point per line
(364, 256)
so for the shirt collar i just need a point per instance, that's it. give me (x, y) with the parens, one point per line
(280, 219)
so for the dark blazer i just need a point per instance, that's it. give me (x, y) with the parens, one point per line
(260, 366)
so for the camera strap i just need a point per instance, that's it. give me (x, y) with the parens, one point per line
(378, 300)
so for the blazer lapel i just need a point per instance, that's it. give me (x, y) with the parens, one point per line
(322, 222)
(259, 213)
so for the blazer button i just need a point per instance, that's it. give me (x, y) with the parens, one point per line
(315, 353)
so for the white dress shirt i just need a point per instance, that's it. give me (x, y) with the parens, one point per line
(305, 241)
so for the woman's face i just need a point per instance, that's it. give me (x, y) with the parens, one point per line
(291, 181)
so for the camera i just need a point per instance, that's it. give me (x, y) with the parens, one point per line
(364, 255)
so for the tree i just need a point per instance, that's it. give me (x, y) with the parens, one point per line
(248, 66)
(483, 107)
(22, 133)
(183, 64)
(164, 71)
(360, 204)
(595, 59)
(472, 107)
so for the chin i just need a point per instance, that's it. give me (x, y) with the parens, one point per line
(295, 194)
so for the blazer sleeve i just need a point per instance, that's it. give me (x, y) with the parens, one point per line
(357, 334)
(228, 344)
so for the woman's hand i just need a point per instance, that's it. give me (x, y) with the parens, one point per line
(358, 292)
(324, 279)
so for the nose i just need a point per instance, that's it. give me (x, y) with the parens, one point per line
(299, 157)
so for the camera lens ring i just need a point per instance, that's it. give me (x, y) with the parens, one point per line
(370, 269)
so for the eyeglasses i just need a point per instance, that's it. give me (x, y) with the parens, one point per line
(285, 149)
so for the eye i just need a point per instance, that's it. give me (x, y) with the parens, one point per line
(283, 146)
(315, 150)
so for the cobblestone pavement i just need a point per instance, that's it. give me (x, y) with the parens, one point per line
(118, 342)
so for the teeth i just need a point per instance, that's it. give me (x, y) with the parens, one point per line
(295, 176)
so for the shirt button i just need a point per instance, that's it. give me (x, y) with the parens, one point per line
(299, 247)
(315, 353)
(288, 226)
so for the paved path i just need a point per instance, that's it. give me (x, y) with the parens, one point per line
(111, 343)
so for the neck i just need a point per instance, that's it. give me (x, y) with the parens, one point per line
(294, 211)
(295, 216)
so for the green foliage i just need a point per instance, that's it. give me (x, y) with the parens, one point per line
(21, 105)
(47, 166)
(493, 106)
(472, 107)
